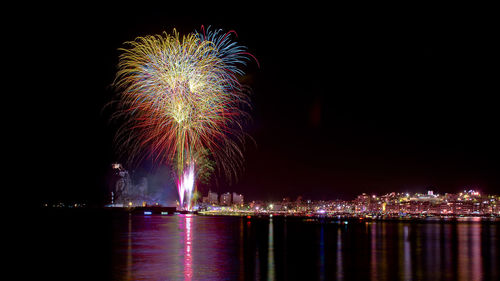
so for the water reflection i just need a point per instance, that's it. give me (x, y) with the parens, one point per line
(186, 247)
(463, 253)
(406, 254)
(270, 252)
(340, 274)
(494, 251)
(257, 266)
(322, 253)
(241, 255)
(129, 249)
(469, 252)
(188, 259)
(373, 260)
(477, 267)
(432, 247)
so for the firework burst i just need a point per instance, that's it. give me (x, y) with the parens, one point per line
(181, 100)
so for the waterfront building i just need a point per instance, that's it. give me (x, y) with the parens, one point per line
(213, 198)
(237, 199)
(225, 199)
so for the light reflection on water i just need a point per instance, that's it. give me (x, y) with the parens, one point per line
(270, 252)
(406, 253)
(322, 253)
(188, 262)
(340, 275)
(190, 247)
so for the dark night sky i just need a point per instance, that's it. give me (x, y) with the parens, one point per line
(346, 100)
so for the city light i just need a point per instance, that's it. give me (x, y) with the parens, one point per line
(391, 205)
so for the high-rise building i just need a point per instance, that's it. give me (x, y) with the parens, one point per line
(213, 198)
(237, 199)
(225, 199)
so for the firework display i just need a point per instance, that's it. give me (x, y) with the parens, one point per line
(183, 104)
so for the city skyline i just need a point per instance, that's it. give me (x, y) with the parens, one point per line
(139, 183)
(393, 205)
(469, 203)
(125, 190)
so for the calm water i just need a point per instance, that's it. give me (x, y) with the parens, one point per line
(109, 246)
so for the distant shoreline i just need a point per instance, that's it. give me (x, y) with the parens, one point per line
(334, 218)
(477, 218)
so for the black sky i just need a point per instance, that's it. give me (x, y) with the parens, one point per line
(346, 100)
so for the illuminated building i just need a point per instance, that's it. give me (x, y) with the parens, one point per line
(225, 199)
(237, 199)
(213, 198)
